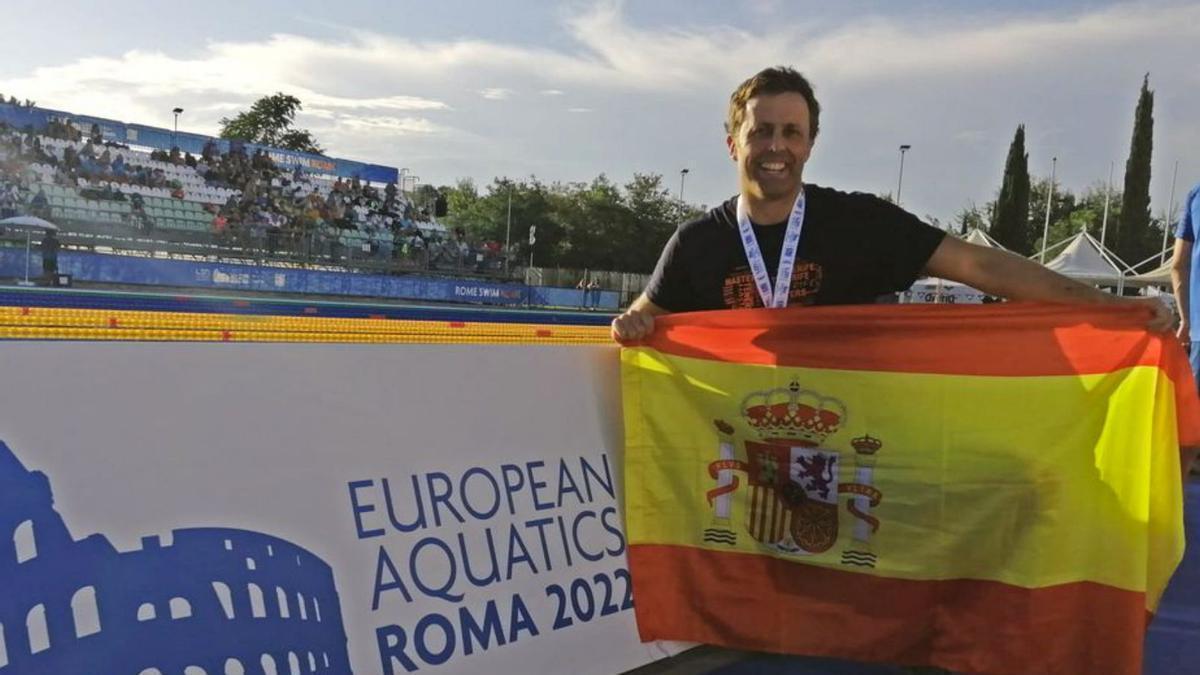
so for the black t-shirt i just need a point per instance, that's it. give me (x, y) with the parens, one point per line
(854, 247)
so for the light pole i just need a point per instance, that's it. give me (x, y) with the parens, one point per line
(415, 184)
(900, 182)
(1107, 200)
(508, 227)
(1049, 202)
(175, 133)
(682, 175)
(1162, 259)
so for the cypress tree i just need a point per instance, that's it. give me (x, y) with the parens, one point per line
(1010, 225)
(1133, 228)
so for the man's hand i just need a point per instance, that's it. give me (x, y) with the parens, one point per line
(638, 321)
(1162, 319)
(635, 324)
(1184, 333)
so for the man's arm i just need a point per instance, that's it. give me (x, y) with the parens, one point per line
(1008, 275)
(1181, 277)
(638, 321)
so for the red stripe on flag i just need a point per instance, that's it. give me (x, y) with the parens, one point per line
(1005, 340)
(738, 600)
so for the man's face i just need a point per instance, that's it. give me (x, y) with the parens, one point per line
(772, 145)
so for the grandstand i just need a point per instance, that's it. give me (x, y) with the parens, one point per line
(119, 189)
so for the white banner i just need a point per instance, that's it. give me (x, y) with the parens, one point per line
(258, 508)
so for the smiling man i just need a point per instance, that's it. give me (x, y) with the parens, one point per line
(782, 242)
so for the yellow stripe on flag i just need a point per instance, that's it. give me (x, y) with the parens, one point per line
(1029, 481)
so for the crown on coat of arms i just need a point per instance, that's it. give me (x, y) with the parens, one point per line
(793, 416)
(866, 445)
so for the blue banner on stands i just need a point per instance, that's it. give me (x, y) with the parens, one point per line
(113, 269)
(163, 139)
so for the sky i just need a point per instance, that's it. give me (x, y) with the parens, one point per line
(565, 91)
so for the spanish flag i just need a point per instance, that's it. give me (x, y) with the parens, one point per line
(987, 489)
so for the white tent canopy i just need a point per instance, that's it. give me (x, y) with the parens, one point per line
(933, 289)
(1086, 260)
(1160, 276)
(980, 238)
(27, 223)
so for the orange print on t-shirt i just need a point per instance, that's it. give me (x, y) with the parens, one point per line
(739, 291)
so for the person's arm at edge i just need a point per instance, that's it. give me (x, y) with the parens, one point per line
(1181, 274)
(638, 321)
(1010, 276)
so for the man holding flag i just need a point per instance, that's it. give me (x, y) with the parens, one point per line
(984, 489)
(782, 242)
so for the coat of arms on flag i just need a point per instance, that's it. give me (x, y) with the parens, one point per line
(793, 476)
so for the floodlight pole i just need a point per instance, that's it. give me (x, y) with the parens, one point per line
(900, 181)
(1049, 202)
(1162, 259)
(1107, 199)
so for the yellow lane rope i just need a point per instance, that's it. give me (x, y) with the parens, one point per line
(52, 323)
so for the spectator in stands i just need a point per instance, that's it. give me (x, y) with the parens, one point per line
(49, 248)
(70, 157)
(9, 199)
(40, 205)
(389, 197)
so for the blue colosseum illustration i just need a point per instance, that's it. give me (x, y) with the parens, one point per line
(214, 601)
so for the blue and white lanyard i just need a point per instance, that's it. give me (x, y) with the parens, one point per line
(787, 256)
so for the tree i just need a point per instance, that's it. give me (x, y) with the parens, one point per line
(597, 225)
(969, 218)
(269, 122)
(1133, 239)
(1060, 212)
(1010, 225)
(1073, 215)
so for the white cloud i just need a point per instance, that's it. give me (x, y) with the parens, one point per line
(396, 125)
(954, 86)
(386, 103)
(496, 93)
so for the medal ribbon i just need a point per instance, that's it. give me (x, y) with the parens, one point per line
(778, 296)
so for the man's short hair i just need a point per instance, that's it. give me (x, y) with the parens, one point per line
(777, 80)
